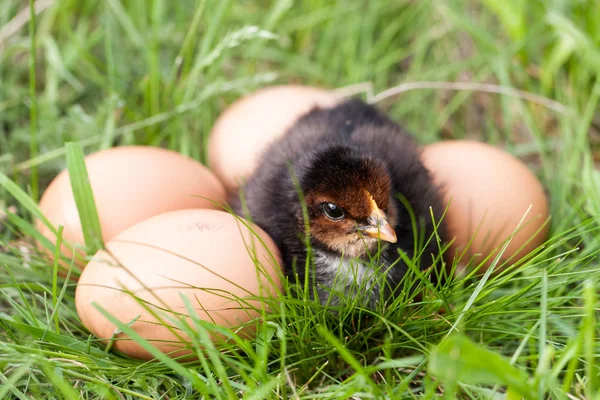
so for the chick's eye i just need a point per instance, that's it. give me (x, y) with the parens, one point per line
(332, 211)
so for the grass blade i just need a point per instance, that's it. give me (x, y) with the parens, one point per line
(34, 319)
(146, 345)
(33, 110)
(589, 339)
(24, 200)
(84, 198)
(55, 277)
(458, 359)
(126, 23)
(344, 353)
(55, 376)
(8, 385)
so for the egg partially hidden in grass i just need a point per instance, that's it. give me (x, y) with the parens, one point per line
(250, 124)
(130, 184)
(492, 198)
(179, 268)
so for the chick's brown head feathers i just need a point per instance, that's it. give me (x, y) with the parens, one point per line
(348, 197)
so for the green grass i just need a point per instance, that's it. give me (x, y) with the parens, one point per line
(159, 73)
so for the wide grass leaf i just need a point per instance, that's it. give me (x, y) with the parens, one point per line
(458, 359)
(84, 198)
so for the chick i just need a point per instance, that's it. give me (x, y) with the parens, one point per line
(344, 170)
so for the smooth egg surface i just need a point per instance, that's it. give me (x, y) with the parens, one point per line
(208, 257)
(130, 184)
(489, 192)
(250, 124)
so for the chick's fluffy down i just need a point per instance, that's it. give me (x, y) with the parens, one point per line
(340, 153)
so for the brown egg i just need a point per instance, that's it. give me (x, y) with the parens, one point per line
(130, 184)
(208, 256)
(250, 124)
(489, 192)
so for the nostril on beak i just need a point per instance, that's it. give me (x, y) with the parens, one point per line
(374, 221)
(380, 228)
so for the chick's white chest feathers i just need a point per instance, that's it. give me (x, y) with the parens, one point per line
(350, 278)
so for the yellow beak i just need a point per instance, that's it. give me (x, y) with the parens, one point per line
(383, 231)
(379, 226)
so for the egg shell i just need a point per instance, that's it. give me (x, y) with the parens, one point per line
(205, 255)
(130, 184)
(488, 191)
(250, 124)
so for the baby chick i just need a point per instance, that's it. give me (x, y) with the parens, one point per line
(344, 170)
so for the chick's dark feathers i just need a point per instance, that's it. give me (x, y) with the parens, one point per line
(333, 152)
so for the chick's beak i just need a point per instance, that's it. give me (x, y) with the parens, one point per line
(379, 226)
(381, 229)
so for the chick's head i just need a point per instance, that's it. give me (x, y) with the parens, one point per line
(348, 195)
